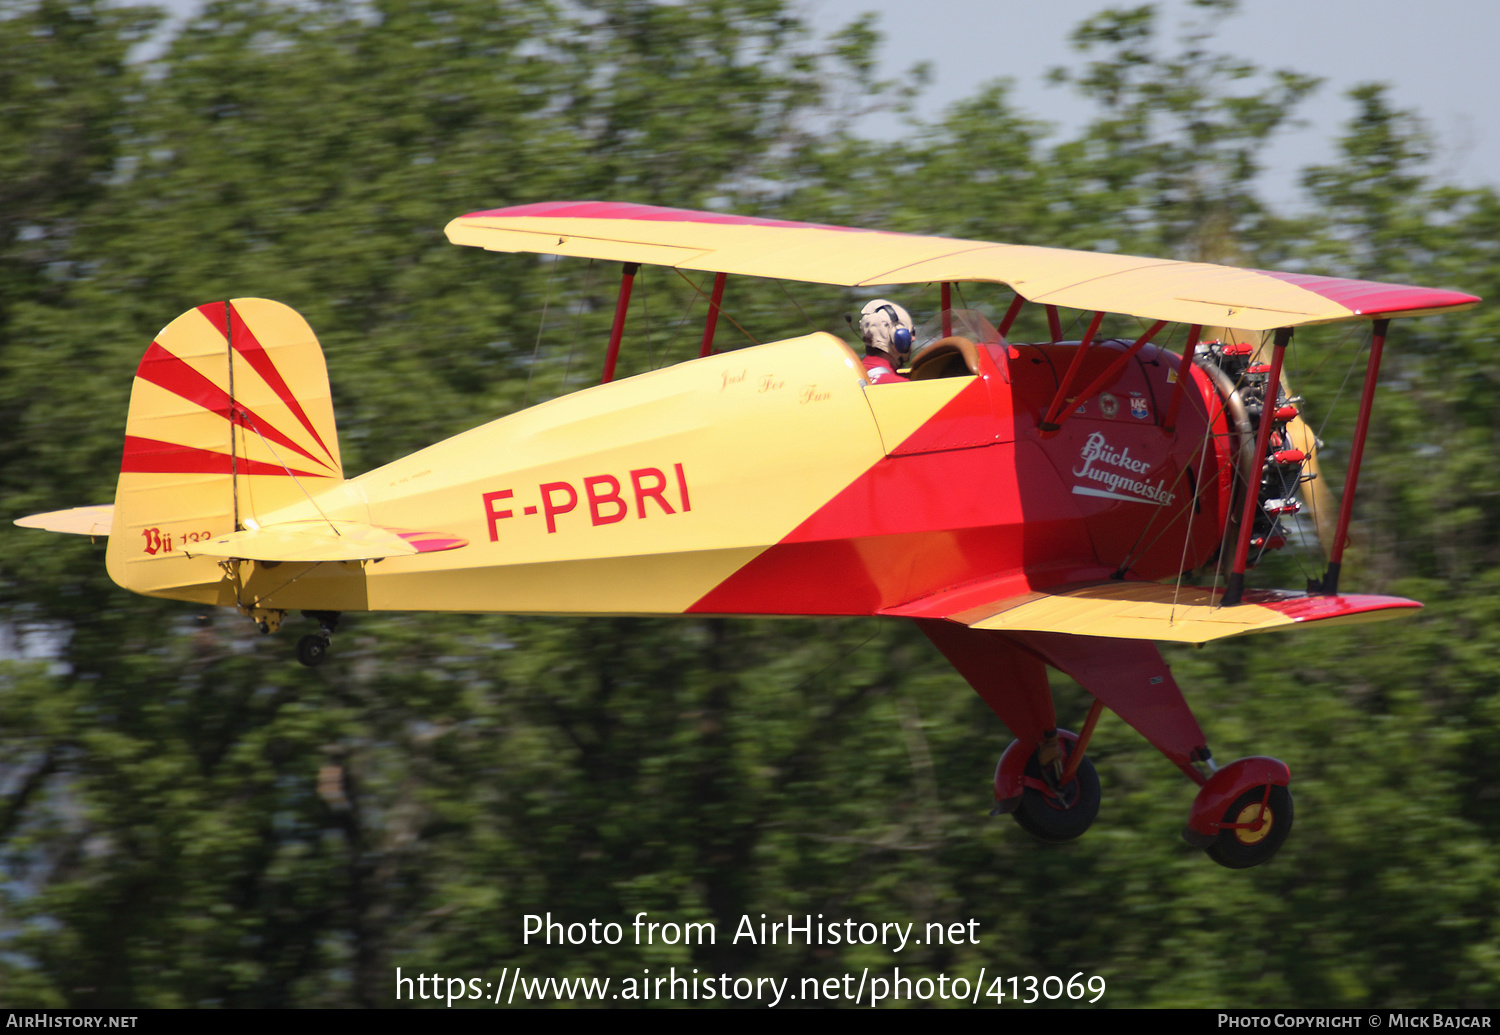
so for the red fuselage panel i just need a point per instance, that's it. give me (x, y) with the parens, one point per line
(977, 492)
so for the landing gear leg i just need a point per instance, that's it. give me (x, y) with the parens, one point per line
(1243, 811)
(1042, 780)
(313, 648)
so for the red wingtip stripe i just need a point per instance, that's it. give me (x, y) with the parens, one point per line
(165, 370)
(150, 456)
(1303, 607)
(248, 346)
(1371, 298)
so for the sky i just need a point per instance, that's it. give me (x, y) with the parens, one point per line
(1438, 56)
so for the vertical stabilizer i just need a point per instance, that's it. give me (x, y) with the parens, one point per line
(230, 418)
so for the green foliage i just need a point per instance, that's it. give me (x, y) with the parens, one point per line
(187, 818)
(64, 92)
(1176, 148)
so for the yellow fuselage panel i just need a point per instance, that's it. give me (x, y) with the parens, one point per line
(634, 497)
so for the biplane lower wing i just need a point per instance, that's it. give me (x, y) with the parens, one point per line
(1156, 611)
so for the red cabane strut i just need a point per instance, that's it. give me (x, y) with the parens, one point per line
(712, 323)
(1010, 315)
(1184, 375)
(1049, 422)
(622, 306)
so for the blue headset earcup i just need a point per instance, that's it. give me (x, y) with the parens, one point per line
(900, 336)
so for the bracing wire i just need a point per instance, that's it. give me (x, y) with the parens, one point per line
(722, 313)
(838, 660)
(789, 298)
(1187, 539)
(297, 481)
(1294, 356)
(646, 317)
(583, 301)
(535, 349)
(687, 311)
(1318, 434)
(1327, 416)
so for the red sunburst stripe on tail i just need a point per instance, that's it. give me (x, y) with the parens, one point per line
(247, 345)
(165, 370)
(150, 456)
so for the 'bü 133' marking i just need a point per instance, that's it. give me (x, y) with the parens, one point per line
(156, 542)
(608, 498)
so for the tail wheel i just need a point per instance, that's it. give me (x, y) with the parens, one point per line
(312, 649)
(1258, 826)
(1058, 812)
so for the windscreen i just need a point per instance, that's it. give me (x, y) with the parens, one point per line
(965, 323)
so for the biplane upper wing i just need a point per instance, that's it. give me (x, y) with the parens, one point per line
(1152, 611)
(1153, 289)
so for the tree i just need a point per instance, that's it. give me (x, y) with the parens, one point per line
(187, 818)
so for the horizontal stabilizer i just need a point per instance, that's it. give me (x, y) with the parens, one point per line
(314, 541)
(96, 520)
(1185, 614)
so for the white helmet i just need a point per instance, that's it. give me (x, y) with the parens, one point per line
(886, 326)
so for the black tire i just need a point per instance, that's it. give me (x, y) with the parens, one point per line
(311, 650)
(1064, 815)
(1242, 849)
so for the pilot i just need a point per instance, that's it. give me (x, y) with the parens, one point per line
(887, 331)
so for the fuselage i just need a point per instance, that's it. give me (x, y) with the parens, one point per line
(775, 480)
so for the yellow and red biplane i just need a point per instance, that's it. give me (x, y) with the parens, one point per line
(1020, 502)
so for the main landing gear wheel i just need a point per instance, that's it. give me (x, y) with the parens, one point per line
(1245, 846)
(1058, 813)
